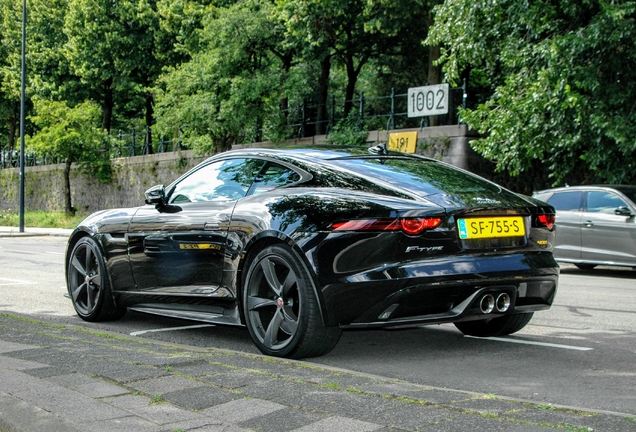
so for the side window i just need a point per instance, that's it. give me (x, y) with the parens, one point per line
(566, 201)
(219, 181)
(273, 177)
(603, 202)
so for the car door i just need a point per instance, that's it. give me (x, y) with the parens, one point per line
(180, 248)
(607, 236)
(568, 221)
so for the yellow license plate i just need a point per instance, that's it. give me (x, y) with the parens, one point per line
(199, 246)
(490, 227)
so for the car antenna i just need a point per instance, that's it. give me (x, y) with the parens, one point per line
(379, 150)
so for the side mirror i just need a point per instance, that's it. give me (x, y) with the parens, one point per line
(156, 195)
(623, 211)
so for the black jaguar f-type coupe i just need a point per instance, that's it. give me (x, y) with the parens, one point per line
(297, 245)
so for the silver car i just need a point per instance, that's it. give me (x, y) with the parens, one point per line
(596, 225)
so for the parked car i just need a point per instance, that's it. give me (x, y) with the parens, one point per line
(297, 245)
(596, 225)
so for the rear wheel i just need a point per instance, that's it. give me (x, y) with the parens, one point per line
(585, 266)
(499, 326)
(88, 284)
(281, 309)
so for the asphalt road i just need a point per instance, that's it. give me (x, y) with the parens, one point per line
(580, 354)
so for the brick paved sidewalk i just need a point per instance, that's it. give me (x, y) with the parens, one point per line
(68, 378)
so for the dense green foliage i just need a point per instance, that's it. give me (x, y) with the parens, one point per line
(561, 77)
(213, 72)
(555, 78)
(71, 134)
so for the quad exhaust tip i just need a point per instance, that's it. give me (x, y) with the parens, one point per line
(488, 303)
(503, 302)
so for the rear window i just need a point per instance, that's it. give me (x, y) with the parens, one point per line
(566, 201)
(421, 176)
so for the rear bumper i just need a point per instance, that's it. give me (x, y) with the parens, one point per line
(441, 290)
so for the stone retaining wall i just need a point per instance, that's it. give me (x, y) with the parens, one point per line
(133, 175)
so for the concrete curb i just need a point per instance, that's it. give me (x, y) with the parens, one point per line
(6, 231)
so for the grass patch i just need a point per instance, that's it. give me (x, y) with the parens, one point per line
(157, 399)
(31, 321)
(41, 219)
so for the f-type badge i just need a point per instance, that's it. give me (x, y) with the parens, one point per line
(423, 248)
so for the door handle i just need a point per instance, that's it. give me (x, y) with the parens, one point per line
(222, 218)
(588, 223)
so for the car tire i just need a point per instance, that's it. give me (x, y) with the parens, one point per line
(280, 307)
(499, 326)
(585, 266)
(88, 284)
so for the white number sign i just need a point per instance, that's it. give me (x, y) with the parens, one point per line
(428, 101)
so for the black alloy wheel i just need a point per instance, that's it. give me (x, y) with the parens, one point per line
(88, 284)
(280, 307)
(500, 326)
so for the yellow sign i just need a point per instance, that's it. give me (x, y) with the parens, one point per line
(403, 142)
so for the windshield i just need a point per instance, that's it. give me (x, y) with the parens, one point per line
(629, 192)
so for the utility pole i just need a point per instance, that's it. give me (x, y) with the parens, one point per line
(23, 78)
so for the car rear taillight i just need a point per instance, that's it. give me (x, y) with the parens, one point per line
(547, 220)
(410, 226)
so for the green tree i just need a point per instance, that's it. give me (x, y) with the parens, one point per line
(401, 60)
(48, 67)
(180, 23)
(319, 28)
(233, 85)
(71, 134)
(10, 66)
(111, 47)
(562, 78)
(353, 34)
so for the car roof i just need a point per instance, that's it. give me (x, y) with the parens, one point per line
(588, 187)
(316, 153)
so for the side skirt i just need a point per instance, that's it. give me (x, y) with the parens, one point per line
(228, 316)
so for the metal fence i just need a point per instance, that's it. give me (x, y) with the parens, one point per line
(370, 113)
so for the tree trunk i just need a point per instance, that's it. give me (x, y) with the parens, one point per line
(352, 79)
(323, 94)
(286, 63)
(68, 207)
(107, 105)
(149, 119)
(13, 127)
(434, 72)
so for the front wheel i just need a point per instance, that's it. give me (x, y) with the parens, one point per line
(499, 326)
(88, 284)
(281, 309)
